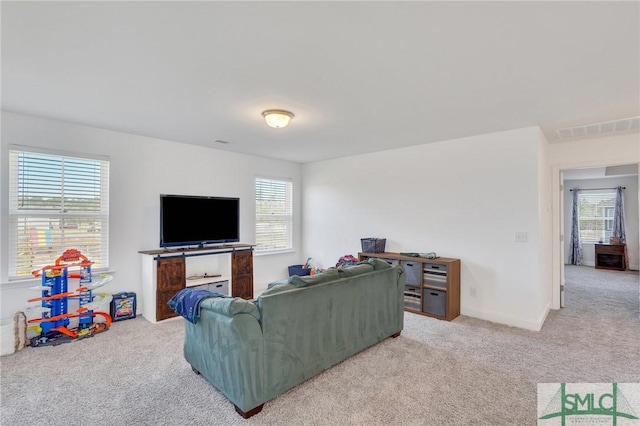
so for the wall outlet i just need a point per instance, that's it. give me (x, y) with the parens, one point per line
(472, 292)
(521, 237)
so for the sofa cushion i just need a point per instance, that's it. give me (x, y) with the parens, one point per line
(378, 263)
(278, 282)
(359, 269)
(277, 287)
(330, 274)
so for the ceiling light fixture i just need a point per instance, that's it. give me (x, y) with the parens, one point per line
(277, 118)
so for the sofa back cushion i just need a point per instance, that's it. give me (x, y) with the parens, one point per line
(330, 274)
(378, 263)
(353, 270)
(279, 286)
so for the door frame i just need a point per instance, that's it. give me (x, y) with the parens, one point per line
(562, 237)
(557, 222)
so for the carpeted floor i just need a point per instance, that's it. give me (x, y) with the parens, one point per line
(466, 372)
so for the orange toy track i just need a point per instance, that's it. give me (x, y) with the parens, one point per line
(94, 328)
(60, 296)
(70, 258)
(74, 334)
(106, 316)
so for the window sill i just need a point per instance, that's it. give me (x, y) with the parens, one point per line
(272, 252)
(14, 283)
(21, 283)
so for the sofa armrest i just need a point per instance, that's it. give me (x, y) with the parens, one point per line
(229, 306)
(226, 346)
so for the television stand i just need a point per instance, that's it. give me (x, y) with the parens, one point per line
(164, 274)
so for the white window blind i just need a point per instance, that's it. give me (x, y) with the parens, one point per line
(274, 215)
(56, 203)
(595, 214)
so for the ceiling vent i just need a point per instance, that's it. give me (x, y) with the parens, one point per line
(625, 125)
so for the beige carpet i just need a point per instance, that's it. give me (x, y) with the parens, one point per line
(467, 372)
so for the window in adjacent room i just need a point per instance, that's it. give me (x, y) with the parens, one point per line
(56, 202)
(595, 213)
(274, 215)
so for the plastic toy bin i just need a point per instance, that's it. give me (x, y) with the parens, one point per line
(435, 302)
(413, 271)
(299, 270)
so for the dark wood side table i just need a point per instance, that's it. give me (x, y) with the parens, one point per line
(611, 256)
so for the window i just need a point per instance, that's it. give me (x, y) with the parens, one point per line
(595, 212)
(56, 203)
(274, 215)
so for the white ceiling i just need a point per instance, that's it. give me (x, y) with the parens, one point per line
(359, 76)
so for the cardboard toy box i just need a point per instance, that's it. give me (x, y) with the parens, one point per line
(123, 306)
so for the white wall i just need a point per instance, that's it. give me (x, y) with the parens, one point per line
(463, 198)
(630, 195)
(141, 169)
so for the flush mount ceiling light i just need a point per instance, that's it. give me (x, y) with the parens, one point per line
(277, 118)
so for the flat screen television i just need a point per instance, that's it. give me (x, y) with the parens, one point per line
(198, 221)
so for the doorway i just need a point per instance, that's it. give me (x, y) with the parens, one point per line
(593, 177)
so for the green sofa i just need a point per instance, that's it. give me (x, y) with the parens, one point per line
(253, 351)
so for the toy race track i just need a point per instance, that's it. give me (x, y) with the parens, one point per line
(53, 324)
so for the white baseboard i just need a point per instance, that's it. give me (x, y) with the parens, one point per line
(500, 318)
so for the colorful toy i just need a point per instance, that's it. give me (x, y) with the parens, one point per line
(123, 306)
(53, 325)
(346, 260)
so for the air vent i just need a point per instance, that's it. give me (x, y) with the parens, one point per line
(624, 125)
(221, 141)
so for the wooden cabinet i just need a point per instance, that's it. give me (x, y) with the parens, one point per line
(171, 278)
(164, 273)
(242, 274)
(432, 285)
(611, 256)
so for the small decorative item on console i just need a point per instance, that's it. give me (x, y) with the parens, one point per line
(430, 255)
